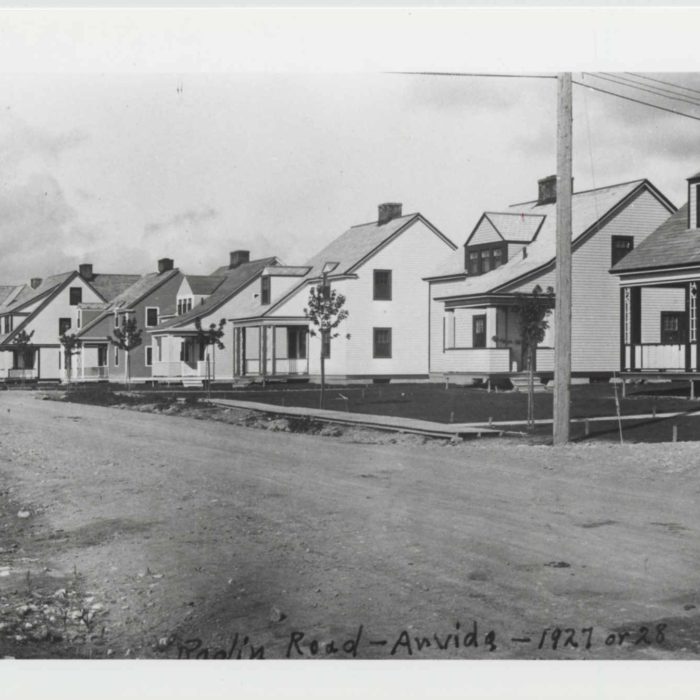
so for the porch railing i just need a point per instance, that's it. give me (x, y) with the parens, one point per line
(21, 374)
(180, 369)
(659, 356)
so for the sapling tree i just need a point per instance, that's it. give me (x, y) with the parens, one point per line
(71, 345)
(533, 311)
(325, 312)
(126, 337)
(208, 338)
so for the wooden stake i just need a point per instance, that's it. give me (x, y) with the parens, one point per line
(675, 433)
(588, 427)
(562, 310)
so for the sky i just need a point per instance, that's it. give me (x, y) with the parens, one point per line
(121, 169)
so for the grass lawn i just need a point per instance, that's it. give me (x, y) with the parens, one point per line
(458, 404)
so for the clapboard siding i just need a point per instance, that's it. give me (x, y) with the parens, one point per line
(595, 327)
(410, 257)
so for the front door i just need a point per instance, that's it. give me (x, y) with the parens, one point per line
(673, 328)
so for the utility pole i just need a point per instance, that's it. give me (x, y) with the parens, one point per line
(562, 310)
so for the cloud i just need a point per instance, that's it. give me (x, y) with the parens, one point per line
(19, 141)
(40, 230)
(184, 220)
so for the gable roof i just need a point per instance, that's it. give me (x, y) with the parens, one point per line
(671, 245)
(349, 251)
(234, 280)
(27, 294)
(589, 210)
(519, 227)
(111, 286)
(132, 295)
(204, 284)
(5, 291)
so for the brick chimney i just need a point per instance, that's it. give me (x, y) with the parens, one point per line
(388, 211)
(85, 271)
(238, 257)
(547, 190)
(34, 282)
(164, 265)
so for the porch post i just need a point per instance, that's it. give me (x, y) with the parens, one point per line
(686, 339)
(623, 329)
(693, 324)
(634, 322)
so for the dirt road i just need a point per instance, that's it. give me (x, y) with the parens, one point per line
(200, 538)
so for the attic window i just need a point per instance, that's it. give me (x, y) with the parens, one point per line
(76, 295)
(479, 259)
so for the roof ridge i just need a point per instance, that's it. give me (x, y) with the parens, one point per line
(403, 216)
(588, 191)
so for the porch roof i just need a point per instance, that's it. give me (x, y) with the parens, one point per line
(673, 244)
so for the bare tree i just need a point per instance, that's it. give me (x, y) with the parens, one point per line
(533, 310)
(325, 312)
(127, 337)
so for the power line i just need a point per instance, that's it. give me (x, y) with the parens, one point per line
(666, 82)
(640, 102)
(654, 91)
(470, 75)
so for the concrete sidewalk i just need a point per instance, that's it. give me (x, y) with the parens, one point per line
(395, 423)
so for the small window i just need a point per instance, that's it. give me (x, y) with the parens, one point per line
(151, 316)
(497, 257)
(101, 355)
(116, 356)
(485, 260)
(382, 343)
(76, 295)
(265, 290)
(621, 245)
(473, 262)
(479, 331)
(382, 285)
(63, 325)
(149, 356)
(673, 328)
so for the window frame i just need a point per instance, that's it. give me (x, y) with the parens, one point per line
(475, 319)
(475, 266)
(613, 249)
(148, 356)
(376, 288)
(375, 344)
(71, 291)
(151, 308)
(265, 290)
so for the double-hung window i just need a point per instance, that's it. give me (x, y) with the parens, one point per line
(381, 344)
(382, 285)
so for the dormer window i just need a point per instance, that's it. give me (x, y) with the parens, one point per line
(480, 259)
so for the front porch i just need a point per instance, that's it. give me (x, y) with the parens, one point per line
(267, 350)
(659, 328)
